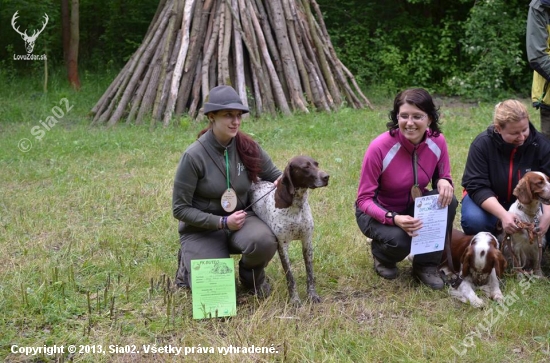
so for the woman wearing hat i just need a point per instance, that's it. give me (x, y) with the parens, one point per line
(211, 191)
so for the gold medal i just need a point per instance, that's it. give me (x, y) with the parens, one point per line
(415, 192)
(229, 200)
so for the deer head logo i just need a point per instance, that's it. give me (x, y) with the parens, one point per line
(29, 40)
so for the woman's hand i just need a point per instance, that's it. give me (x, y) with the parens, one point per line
(408, 224)
(508, 221)
(446, 193)
(236, 220)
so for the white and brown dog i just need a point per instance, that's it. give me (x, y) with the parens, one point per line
(479, 264)
(287, 213)
(524, 247)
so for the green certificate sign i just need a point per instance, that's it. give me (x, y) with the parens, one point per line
(213, 284)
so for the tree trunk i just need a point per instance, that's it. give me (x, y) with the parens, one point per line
(66, 31)
(72, 57)
(277, 55)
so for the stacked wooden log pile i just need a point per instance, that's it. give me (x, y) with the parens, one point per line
(277, 54)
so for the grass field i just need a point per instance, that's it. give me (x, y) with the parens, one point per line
(88, 247)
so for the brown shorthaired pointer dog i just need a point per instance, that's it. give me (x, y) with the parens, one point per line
(288, 214)
(524, 247)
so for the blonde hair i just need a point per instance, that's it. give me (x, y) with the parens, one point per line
(509, 111)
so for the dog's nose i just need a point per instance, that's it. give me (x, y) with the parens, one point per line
(325, 178)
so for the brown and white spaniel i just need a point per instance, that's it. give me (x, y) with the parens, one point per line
(479, 264)
(524, 247)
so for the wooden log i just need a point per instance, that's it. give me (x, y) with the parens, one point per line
(167, 51)
(287, 56)
(239, 59)
(141, 65)
(172, 96)
(277, 88)
(138, 97)
(315, 70)
(160, 8)
(168, 81)
(323, 63)
(225, 42)
(317, 89)
(277, 54)
(146, 105)
(105, 99)
(292, 17)
(265, 22)
(208, 53)
(262, 84)
(196, 91)
(196, 40)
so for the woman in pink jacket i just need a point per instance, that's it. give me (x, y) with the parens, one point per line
(398, 163)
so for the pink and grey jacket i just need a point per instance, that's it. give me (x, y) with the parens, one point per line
(387, 172)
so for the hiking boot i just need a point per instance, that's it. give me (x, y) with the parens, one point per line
(263, 291)
(387, 271)
(428, 275)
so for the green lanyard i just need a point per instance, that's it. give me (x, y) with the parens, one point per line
(226, 167)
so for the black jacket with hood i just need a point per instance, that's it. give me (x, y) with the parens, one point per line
(494, 167)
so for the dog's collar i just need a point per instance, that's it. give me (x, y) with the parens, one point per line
(454, 281)
(521, 207)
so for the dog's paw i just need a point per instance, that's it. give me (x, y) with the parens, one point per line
(296, 302)
(498, 297)
(477, 302)
(314, 298)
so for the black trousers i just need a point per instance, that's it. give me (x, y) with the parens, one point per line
(391, 244)
(545, 121)
(255, 242)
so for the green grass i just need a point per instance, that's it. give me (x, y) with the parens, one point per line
(88, 245)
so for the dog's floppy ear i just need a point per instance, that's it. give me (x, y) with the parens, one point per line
(285, 190)
(465, 260)
(523, 191)
(499, 262)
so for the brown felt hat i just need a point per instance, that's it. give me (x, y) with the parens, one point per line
(223, 98)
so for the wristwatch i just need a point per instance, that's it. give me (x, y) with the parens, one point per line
(391, 215)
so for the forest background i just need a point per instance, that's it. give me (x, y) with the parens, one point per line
(88, 243)
(472, 49)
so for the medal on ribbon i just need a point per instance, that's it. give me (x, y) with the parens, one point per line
(229, 197)
(229, 200)
(415, 190)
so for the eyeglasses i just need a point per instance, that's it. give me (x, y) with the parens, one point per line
(414, 117)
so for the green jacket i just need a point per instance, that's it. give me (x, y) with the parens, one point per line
(200, 181)
(538, 50)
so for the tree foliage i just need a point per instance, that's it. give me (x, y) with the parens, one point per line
(470, 48)
(110, 30)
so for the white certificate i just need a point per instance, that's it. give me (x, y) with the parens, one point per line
(431, 237)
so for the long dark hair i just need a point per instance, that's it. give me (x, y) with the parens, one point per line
(248, 151)
(420, 98)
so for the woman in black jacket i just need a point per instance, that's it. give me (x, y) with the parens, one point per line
(498, 158)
